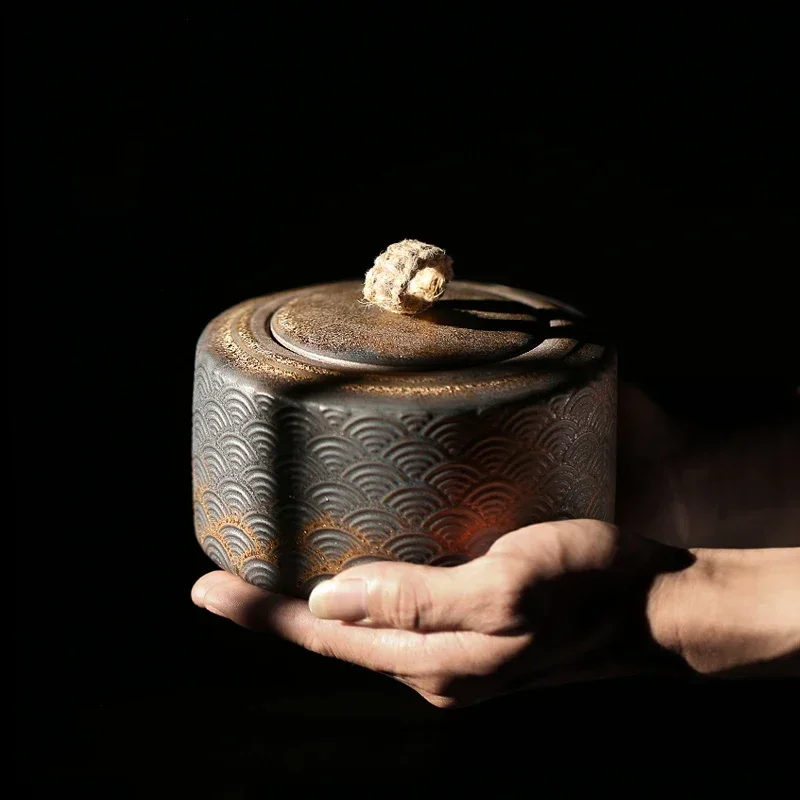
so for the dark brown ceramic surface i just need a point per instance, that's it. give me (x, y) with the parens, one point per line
(326, 453)
(470, 326)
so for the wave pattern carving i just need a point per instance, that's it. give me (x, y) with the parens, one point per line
(288, 493)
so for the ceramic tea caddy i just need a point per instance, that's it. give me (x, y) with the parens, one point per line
(351, 422)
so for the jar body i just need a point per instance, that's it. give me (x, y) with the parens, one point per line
(294, 482)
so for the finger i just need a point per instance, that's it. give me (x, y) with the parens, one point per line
(246, 605)
(288, 617)
(486, 595)
(413, 655)
(471, 597)
(202, 586)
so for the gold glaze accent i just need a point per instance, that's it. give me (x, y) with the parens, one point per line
(249, 348)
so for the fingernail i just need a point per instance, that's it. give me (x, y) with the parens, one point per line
(345, 600)
(204, 586)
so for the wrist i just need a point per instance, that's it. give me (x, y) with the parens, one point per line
(731, 612)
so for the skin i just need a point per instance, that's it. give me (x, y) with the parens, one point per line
(575, 600)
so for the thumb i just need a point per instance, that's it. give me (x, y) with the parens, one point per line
(416, 597)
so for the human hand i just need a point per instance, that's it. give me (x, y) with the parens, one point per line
(564, 601)
(549, 603)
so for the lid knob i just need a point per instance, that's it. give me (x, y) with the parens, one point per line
(408, 277)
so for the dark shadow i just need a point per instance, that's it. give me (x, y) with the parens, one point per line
(534, 321)
(785, 666)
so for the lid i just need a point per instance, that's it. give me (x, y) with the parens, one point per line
(470, 324)
(409, 330)
(408, 315)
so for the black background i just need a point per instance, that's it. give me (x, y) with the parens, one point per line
(162, 167)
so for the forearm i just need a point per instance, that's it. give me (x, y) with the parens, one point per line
(732, 612)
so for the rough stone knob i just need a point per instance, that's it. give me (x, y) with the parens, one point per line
(408, 277)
